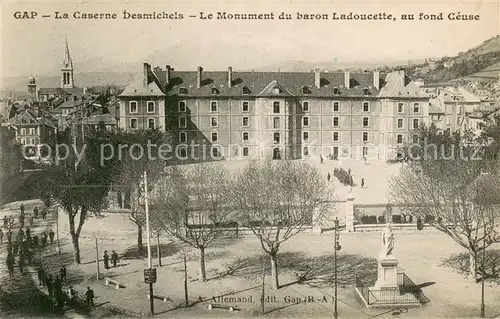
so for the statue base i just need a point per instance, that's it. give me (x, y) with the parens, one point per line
(387, 274)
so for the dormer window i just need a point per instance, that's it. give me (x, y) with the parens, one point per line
(215, 91)
(366, 91)
(183, 91)
(276, 90)
(336, 91)
(246, 90)
(305, 90)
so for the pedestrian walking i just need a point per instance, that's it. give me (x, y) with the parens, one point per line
(1, 236)
(89, 297)
(10, 264)
(49, 283)
(328, 177)
(21, 220)
(44, 213)
(51, 236)
(114, 258)
(22, 209)
(62, 272)
(35, 212)
(41, 276)
(20, 234)
(21, 263)
(362, 182)
(9, 236)
(44, 239)
(29, 256)
(106, 259)
(321, 158)
(5, 222)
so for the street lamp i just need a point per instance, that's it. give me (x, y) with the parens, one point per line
(150, 273)
(336, 248)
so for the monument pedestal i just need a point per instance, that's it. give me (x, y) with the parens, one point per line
(387, 274)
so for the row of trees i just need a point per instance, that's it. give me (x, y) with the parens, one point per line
(456, 184)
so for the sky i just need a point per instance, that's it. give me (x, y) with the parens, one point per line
(36, 46)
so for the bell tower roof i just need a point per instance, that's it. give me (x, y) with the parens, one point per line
(67, 61)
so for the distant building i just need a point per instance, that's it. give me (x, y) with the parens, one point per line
(237, 115)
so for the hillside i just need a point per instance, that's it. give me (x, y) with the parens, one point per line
(480, 63)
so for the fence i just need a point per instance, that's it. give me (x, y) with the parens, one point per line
(408, 286)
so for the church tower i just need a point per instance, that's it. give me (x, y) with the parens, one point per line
(67, 80)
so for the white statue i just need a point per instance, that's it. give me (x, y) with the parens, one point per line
(387, 241)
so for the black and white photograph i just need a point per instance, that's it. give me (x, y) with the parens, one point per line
(250, 159)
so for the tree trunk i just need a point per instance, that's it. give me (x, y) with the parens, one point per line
(203, 275)
(472, 265)
(74, 238)
(274, 270)
(140, 246)
(158, 249)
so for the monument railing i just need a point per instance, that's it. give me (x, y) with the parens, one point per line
(408, 286)
(363, 290)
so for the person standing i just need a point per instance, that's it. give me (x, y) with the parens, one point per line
(57, 289)
(22, 209)
(35, 212)
(106, 260)
(89, 297)
(62, 272)
(44, 239)
(29, 256)
(328, 176)
(10, 264)
(1, 236)
(21, 220)
(114, 258)
(362, 183)
(44, 213)
(41, 277)
(5, 222)
(48, 283)
(51, 236)
(9, 236)
(20, 234)
(28, 234)
(35, 241)
(32, 222)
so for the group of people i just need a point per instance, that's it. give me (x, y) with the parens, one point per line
(54, 284)
(350, 182)
(114, 259)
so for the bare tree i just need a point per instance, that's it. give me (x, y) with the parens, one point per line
(278, 200)
(192, 204)
(452, 192)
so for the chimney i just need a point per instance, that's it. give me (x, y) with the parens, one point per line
(145, 75)
(229, 76)
(198, 78)
(347, 79)
(167, 74)
(317, 76)
(84, 90)
(376, 79)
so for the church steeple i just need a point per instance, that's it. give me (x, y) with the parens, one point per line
(67, 80)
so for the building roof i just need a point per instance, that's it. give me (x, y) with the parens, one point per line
(398, 84)
(60, 91)
(435, 106)
(107, 119)
(136, 88)
(459, 94)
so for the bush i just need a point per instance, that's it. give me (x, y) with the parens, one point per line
(381, 219)
(368, 219)
(396, 219)
(420, 224)
(429, 219)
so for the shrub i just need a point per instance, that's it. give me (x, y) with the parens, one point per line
(429, 219)
(381, 219)
(420, 224)
(396, 219)
(368, 219)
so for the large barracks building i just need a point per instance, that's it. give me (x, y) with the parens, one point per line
(276, 115)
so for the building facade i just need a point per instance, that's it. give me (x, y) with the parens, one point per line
(277, 115)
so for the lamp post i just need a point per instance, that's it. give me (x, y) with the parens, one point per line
(148, 231)
(482, 275)
(336, 247)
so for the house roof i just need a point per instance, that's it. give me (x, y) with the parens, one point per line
(107, 118)
(60, 91)
(136, 88)
(398, 84)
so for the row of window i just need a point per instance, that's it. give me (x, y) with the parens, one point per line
(215, 152)
(276, 90)
(415, 122)
(134, 123)
(134, 108)
(28, 141)
(30, 131)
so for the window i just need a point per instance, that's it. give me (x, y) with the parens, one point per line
(182, 137)
(416, 107)
(245, 151)
(276, 138)
(415, 139)
(306, 151)
(246, 90)
(305, 121)
(151, 106)
(400, 123)
(133, 123)
(245, 106)
(23, 141)
(276, 90)
(213, 121)
(213, 106)
(244, 136)
(132, 107)
(366, 122)
(276, 107)
(305, 90)
(366, 91)
(415, 123)
(305, 106)
(276, 122)
(245, 121)
(215, 91)
(365, 136)
(336, 106)
(365, 150)
(32, 131)
(151, 124)
(183, 152)
(305, 136)
(335, 121)
(401, 107)
(215, 137)
(23, 131)
(335, 151)
(399, 138)
(183, 91)
(182, 122)
(366, 106)
(448, 119)
(336, 91)
(182, 106)
(335, 136)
